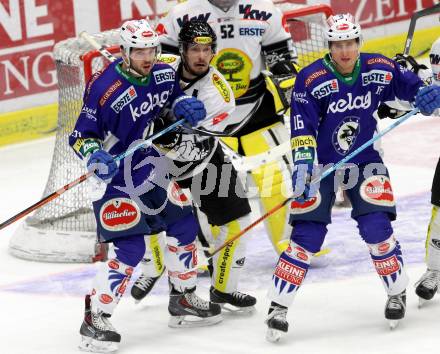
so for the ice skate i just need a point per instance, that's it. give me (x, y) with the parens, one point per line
(276, 322)
(235, 302)
(189, 310)
(395, 309)
(142, 286)
(427, 286)
(97, 333)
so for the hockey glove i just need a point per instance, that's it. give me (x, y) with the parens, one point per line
(385, 111)
(103, 165)
(303, 162)
(428, 99)
(189, 108)
(407, 61)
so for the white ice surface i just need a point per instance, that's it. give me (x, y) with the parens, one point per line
(338, 310)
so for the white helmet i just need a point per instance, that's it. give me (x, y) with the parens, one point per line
(434, 58)
(138, 34)
(342, 27)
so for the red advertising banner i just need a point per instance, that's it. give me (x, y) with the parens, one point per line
(371, 13)
(30, 28)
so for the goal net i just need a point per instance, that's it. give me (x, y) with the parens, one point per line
(64, 230)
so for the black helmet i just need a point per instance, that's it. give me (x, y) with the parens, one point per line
(196, 31)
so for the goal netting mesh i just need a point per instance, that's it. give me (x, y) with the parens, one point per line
(64, 230)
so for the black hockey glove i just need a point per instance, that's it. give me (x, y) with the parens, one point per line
(385, 111)
(407, 61)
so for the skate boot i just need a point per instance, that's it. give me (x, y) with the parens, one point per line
(276, 322)
(395, 308)
(98, 335)
(235, 302)
(427, 286)
(189, 310)
(143, 285)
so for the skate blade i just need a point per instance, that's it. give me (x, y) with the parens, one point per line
(422, 302)
(95, 346)
(189, 321)
(273, 335)
(239, 311)
(393, 324)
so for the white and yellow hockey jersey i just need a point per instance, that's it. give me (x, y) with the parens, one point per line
(216, 94)
(242, 32)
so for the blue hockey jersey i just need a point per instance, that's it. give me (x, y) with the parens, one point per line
(118, 110)
(335, 113)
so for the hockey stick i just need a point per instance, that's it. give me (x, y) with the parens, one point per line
(318, 179)
(84, 177)
(100, 48)
(412, 25)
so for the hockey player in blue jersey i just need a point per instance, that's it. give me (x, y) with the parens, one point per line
(119, 110)
(332, 108)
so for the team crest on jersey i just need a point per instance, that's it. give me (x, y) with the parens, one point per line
(222, 87)
(123, 99)
(164, 75)
(325, 89)
(377, 77)
(345, 134)
(119, 214)
(377, 190)
(309, 205)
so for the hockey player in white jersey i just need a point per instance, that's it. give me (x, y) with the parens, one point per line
(222, 197)
(251, 37)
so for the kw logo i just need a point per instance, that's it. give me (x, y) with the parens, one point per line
(434, 59)
(249, 14)
(202, 17)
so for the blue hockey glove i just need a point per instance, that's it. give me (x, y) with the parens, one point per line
(103, 165)
(189, 108)
(428, 99)
(303, 162)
